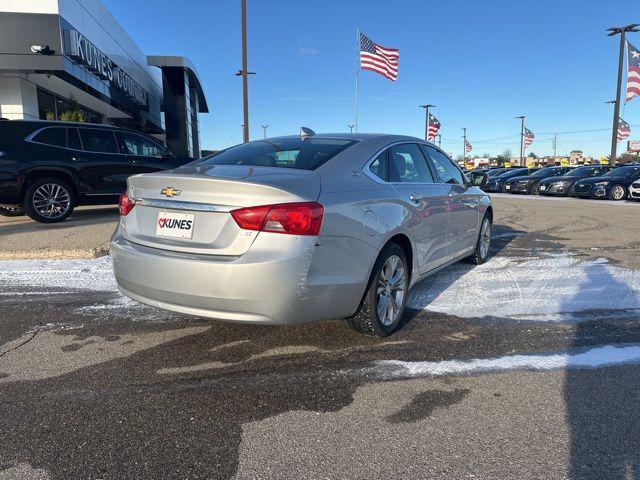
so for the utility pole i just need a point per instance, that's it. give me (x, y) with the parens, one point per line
(616, 111)
(521, 117)
(243, 73)
(264, 129)
(555, 146)
(464, 145)
(426, 120)
(350, 128)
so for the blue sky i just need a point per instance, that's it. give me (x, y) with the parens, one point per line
(481, 62)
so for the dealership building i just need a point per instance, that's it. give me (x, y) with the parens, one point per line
(61, 55)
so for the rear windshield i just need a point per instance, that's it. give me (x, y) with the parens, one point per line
(307, 154)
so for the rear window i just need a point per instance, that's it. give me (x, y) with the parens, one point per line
(307, 154)
(102, 141)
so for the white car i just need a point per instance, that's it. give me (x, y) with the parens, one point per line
(634, 191)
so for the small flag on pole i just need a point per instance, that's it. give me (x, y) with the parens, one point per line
(624, 130)
(528, 137)
(633, 72)
(467, 146)
(433, 128)
(378, 59)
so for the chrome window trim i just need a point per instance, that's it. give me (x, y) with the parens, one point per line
(368, 173)
(180, 205)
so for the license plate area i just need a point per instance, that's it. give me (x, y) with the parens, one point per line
(175, 225)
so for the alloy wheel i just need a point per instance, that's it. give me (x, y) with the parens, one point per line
(390, 291)
(51, 200)
(617, 192)
(485, 238)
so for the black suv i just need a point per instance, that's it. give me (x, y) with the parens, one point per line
(47, 168)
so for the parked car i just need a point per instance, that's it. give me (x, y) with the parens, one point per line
(613, 185)
(49, 168)
(530, 184)
(562, 185)
(489, 172)
(496, 183)
(634, 191)
(299, 229)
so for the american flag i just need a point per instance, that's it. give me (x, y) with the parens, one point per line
(528, 137)
(623, 129)
(433, 128)
(633, 73)
(378, 59)
(467, 147)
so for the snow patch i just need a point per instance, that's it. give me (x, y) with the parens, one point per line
(607, 355)
(551, 288)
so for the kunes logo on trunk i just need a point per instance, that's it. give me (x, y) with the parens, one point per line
(175, 223)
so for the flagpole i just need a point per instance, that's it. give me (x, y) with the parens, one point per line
(357, 73)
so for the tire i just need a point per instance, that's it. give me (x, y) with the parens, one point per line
(617, 192)
(483, 245)
(11, 211)
(367, 319)
(49, 200)
(534, 189)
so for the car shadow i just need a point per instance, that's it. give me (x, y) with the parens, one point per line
(85, 217)
(602, 404)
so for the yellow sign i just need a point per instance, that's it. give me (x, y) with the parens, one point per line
(604, 161)
(507, 164)
(564, 162)
(470, 166)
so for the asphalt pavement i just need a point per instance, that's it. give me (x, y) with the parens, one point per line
(94, 386)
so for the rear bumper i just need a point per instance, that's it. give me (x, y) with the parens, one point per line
(289, 284)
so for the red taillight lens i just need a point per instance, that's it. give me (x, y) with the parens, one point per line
(290, 218)
(125, 204)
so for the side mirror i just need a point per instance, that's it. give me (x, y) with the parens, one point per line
(479, 179)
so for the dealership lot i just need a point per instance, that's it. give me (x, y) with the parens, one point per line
(484, 381)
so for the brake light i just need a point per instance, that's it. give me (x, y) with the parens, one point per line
(289, 218)
(125, 204)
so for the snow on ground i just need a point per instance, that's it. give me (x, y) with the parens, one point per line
(553, 288)
(607, 355)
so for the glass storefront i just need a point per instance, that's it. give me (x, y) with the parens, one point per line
(54, 107)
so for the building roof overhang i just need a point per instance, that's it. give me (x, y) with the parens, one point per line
(164, 61)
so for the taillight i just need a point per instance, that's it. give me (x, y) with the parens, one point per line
(125, 204)
(290, 218)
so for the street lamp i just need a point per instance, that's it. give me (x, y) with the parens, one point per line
(264, 129)
(426, 120)
(521, 117)
(244, 72)
(350, 128)
(616, 111)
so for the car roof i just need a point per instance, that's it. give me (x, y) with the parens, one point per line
(352, 136)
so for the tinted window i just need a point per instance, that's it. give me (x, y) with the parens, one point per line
(623, 172)
(407, 164)
(380, 167)
(55, 136)
(94, 140)
(288, 152)
(138, 145)
(446, 170)
(73, 138)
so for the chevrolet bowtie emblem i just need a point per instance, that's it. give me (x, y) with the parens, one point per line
(170, 192)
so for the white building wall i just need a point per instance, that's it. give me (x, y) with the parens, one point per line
(29, 6)
(18, 99)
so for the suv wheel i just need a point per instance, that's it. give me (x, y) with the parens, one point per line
(382, 307)
(617, 192)
(483, 245)
(49, 200)
(11, 211)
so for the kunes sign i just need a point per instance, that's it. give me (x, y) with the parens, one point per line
(82, 50)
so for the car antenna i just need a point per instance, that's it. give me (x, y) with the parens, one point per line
(306, 132)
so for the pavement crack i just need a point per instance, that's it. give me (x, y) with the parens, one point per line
(32, 334)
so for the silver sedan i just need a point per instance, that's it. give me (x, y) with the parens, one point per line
(299, 229)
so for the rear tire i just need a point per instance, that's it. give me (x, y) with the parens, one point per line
(49, 200)
(617, 192)
(534, 189)
(11, 211)
(483, 245)
(382, 308)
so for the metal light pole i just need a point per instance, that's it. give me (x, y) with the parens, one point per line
(264, 129)
(243, 73)
(616, 111)
(426, 120)
(521, 117)
(464, 145)
(350, 128)
(439, 141)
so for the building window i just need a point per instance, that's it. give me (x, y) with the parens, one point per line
(51, 107)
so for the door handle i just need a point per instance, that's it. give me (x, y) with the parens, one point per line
(415, 198)
(78, 159)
